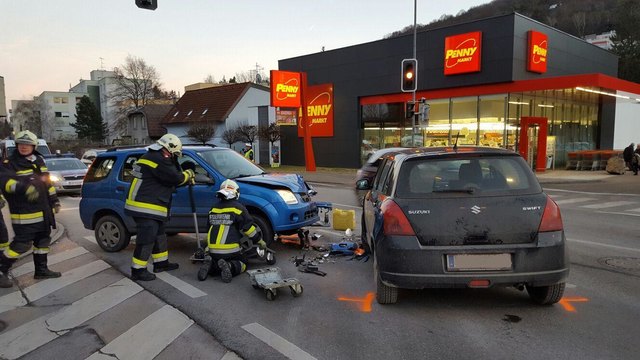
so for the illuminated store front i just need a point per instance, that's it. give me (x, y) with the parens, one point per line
(506, 81)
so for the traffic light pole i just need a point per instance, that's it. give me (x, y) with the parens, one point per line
(413, 118)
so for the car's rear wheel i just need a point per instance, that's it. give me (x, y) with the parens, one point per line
(265, 228)
(111, 234)
(384, 294)
(546, 295)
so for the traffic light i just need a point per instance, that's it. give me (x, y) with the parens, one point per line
(409, 75)
(410, 109)
(147, 4)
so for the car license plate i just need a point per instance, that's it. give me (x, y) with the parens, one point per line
(478, 262)
(75, 182)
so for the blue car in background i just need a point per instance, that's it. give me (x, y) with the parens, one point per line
(279, 203)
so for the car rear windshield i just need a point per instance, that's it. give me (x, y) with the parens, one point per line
(481, 176)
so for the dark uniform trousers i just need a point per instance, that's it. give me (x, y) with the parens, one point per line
(150, 241)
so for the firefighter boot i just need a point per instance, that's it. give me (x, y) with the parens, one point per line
(142, 275)
(42, 271)
(205, 269)
(5, 265)
(225, 271)
(164, 265)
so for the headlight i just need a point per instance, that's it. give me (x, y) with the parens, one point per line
(287, 196)
(54, 178)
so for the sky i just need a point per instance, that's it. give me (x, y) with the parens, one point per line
(49, 45)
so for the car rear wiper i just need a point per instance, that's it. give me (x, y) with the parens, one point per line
(467, 191)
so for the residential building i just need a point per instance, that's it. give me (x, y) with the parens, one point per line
(601, 40)
(102, 82)
(57, 113)
(226, 107)
(3, 104)
(144, 125)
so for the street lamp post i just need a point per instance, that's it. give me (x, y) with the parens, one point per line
(415, 31)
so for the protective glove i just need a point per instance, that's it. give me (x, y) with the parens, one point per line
(191, 176)
(262, 244)
(32, 193)
(56, 208)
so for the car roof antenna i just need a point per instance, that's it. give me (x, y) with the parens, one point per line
(455, 146)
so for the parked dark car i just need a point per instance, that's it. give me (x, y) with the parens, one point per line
(462, 217)
(368, 170)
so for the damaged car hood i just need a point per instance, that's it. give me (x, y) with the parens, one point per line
(294, 182)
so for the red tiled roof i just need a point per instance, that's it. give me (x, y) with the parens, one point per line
(208, 105)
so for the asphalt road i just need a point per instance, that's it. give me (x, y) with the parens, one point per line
(337, 317)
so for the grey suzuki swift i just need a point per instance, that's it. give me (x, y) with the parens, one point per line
(462, 217)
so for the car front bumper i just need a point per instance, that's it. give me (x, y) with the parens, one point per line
(402, 262)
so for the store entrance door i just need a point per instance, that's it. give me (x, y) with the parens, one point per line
(533, 141)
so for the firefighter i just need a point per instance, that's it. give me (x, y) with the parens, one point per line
(32, 209)
(156, 175)
(229, 221)
(248, 152)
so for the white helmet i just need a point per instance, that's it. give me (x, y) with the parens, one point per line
(172, 143)
(26, 137)
(229, 190)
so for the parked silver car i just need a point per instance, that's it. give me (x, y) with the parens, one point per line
(66, 174)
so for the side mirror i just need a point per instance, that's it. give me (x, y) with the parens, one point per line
(363, 184)
(204, 179)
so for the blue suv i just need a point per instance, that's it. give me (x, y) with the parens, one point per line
(279, 203)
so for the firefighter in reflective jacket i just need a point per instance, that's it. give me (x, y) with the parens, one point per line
(156, 175)
(32, 204)
(229, 221)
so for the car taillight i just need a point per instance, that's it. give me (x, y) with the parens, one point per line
(551, 218)
(394, 220)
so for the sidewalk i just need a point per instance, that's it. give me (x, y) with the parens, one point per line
(592, 179)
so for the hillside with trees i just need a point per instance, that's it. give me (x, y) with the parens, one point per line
(576, 17)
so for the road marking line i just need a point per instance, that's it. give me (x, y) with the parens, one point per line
(52, 259)
(44, 288)
(183, 286)
(93, 305)
(166, 325)
(230, 355)
(349, 206)
(571, 286)
(91, 238)
(277, 342)
(25, 338)
(617, 213)
(604, 245)
(635, 210)
(12, 301)
(573, 201)
(71, 208)
(592, 193)
(609, 204)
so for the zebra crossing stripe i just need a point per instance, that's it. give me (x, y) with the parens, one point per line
(12, 301)
(91, 238)
(93, 305)
(183, 286)
(44, 288)
(277, 342)
(608, 204)
(573, 201)
(635, 210)
(166, 325)
(25, 338)
(52, 259)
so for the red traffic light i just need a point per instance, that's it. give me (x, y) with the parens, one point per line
(409, 75)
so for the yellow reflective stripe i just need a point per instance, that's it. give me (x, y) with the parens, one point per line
(226, 210)
(11, 254)
(10, 186)
(52, 191)
(40, 250)
(221, 232)
(159, 255)
(4, 245)
(243, 267)
(145, 207)
(24, 172)
(148, 163)
(44, 169)
(251, 231)
(139, 264)
(185, 178)
(223, 246)
(27, 216)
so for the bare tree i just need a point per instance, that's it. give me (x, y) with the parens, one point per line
(230, 136)
(580, 23)
(135, 82)
(270, 133)
(26, 116)
(209, 79)
(201, 131)
(48, 122)
(248, 133)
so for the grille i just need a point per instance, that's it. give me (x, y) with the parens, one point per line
(310, 214)
(72, 187)
(74, 177)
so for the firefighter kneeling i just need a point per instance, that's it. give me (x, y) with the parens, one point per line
(229, 220)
